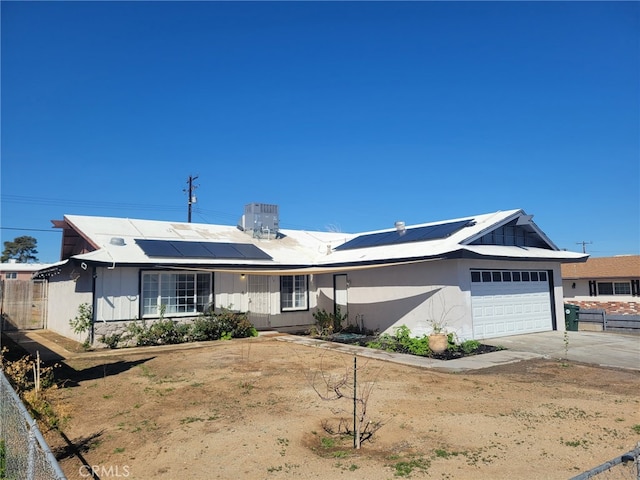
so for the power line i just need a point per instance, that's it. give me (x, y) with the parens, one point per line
(32, 229)
(216, 214)
(28, 200)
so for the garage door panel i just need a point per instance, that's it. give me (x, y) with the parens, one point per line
(508, 308)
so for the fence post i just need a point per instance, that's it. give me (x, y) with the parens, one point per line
(31, 458)
(604, 320)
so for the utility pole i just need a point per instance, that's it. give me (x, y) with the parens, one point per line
(584, 245)
(192, 197)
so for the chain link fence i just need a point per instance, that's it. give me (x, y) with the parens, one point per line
(24, 454)
(624, 467)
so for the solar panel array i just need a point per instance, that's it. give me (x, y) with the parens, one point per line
(395, 237)
(187, 249)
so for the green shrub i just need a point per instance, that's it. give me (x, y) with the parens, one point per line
(3, 459)
(81, 323)
(162, 332)
(166, 332)
(413, 345)
(384, 342)
(111, 341)
(205, 328)
(469, 346)
(328, 323)
(208, 326)
(222, 325)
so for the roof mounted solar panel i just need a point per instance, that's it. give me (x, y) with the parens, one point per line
(394, 237)
(190, 249)
(153, 248)
(208, 250)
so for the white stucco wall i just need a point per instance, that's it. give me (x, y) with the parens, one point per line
(66, 292)
(387, 297)
(384, 298)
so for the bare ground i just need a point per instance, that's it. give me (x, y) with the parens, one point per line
(246, 409)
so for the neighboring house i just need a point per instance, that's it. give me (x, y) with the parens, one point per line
(608, 283)
(12, 270)
(492, 275)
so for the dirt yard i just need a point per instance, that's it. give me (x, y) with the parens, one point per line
(246, 409)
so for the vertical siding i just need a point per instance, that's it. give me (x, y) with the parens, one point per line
(117, 294)
(230, 291)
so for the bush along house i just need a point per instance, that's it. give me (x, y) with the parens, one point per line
(480, 276)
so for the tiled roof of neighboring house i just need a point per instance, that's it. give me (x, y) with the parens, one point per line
(626, 266)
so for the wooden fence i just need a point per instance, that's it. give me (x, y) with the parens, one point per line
(610, 322)
(23, 304)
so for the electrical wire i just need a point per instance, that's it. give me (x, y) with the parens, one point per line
(205, 214)
(29, 200)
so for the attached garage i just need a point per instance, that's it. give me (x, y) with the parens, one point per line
(511, 302)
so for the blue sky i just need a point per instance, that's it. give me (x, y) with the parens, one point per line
(348, 115)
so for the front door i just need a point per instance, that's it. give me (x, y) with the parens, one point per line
(340, 294)
(259, 301)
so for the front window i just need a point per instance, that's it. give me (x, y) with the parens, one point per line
(179, 293)
(614, 288)
(293, 292)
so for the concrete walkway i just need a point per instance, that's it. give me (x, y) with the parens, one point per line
(595, 348)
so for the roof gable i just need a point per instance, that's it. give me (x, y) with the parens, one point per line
(512, 234)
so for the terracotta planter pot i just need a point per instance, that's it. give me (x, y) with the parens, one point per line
(438, 342)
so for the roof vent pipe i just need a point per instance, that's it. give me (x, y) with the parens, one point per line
(400, 228)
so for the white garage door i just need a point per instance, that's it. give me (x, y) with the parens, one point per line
(508, 302)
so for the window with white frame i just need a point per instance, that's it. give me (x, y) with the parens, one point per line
(179, 293)
(294, 292)
(11, 275)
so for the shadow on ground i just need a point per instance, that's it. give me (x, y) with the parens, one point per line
(68, 376)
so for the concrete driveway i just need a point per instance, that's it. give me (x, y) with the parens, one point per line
(600, 348)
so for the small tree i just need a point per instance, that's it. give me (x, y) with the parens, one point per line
(348, 386)
(23, 249)
(82, 322)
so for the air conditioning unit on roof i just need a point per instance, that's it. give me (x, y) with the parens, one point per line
(261, 220)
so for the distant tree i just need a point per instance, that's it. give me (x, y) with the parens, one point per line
(23, 249)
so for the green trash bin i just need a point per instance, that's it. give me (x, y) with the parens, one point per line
(571, 315)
